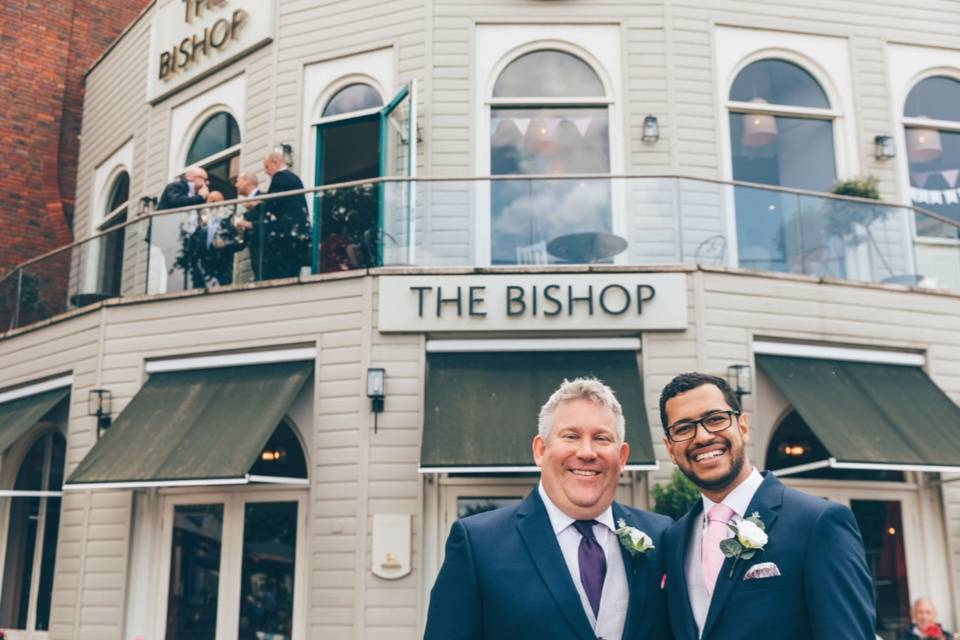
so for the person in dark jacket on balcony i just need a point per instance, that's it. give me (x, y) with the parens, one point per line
(286, 234)
(189, 189)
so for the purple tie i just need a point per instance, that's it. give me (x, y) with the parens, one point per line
(593, 564)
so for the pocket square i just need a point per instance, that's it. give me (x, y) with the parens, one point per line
(762, 570)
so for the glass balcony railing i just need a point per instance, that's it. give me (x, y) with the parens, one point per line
(568, 220)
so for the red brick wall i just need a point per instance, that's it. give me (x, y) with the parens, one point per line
(47, 46)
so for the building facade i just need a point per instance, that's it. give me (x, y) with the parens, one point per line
(536, 190)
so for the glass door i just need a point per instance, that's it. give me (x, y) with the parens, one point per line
(231, 564)
(888, 526)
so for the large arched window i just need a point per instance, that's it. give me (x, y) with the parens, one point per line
(216, 148)
(111, 257)
(931, 120)
(782, 134)
(33, 524)
(549, 114)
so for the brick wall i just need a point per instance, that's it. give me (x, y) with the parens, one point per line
(47, 48)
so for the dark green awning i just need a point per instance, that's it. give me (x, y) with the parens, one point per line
(189, 426)
(869, 415)
(481, 407)
(17, 416)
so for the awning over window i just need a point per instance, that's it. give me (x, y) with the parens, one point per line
(481, 407)
(17, 416)
(869, 415)
(194, 427)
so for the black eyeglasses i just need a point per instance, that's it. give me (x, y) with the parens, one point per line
(714, 423)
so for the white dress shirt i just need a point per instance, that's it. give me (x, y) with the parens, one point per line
(738, 500)
(615, 597)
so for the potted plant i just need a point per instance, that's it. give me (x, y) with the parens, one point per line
(676, 497)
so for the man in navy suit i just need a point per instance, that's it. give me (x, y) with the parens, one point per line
(807, 578)
(286, 234)
(552, 566)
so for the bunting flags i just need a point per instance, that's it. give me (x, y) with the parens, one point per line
(948, 196)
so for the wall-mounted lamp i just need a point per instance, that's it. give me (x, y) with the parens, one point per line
(100, 404)
(275, 454)
(147, 205)
(794, 449)
(375, 391)
(651, 129)
(884, 148)
(738, 377)
(287, 152)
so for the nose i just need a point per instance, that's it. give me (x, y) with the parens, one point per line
(585, 450)
(703, 436)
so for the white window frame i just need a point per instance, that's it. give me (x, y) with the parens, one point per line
(13, 459)
(498, 45)
(735, 48)
(323, 79)
(231, 554)
(908, 66)
(187, 118)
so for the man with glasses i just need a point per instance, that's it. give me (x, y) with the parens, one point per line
(752, 558)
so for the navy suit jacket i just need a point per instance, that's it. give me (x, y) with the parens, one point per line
(504, 577)
(824, 588)
(176, 195)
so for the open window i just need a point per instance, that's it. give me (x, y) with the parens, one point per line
(360, 138)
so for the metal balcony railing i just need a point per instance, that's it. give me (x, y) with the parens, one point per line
(508, 220)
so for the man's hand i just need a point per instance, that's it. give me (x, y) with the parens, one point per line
(203, 192)
(241, 224)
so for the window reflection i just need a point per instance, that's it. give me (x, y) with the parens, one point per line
(194, 572)
(545, 139)
(881, 526)
(219, 133)
(111, 258)
(933, 153)
(782, 231)
(353, 97)
(267, 574)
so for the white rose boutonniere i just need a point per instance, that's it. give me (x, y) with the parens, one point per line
(633, 540)
(749, 537)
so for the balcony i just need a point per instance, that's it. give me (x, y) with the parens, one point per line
(513, 220)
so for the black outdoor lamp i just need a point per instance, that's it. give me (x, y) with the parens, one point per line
(147, 204)
(287, 151)
(738, 377)
(375, 391)
(100, 404)
(651, 129)
(884, 148)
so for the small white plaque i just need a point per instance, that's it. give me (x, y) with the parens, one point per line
(391, 545)
(533, 302)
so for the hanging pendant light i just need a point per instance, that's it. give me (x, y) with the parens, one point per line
(759, 129)
(923, 145)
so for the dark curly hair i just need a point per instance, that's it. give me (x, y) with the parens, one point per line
(689, 381)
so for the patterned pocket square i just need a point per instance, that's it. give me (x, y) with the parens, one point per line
(762, 570)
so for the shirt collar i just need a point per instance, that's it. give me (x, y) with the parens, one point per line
(560, 521)
(738, 499)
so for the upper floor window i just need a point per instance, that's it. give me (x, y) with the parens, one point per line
(931, 120)
(216, 148)
(353, 97)
(111, 246)
(33, 524)
(549, 114)
(782, 134)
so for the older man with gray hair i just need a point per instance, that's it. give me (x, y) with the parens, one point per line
(568, 562)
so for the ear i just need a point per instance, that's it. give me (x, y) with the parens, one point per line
(624, 455)
(538, 448)
(743, 423)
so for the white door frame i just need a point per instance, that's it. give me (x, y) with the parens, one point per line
(231, 553)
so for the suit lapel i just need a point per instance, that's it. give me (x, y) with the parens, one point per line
(537, 533)
(677, 569)
(766, 501)
(637, 570)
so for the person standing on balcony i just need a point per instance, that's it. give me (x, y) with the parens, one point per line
(189, 189)
(249, 224)
(286, 234)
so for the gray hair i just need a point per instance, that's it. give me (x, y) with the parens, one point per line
(590, 389)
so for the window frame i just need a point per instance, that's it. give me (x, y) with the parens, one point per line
(14, 459)
(598, 46)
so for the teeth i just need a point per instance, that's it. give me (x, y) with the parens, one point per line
(584, 473)
(709, 455)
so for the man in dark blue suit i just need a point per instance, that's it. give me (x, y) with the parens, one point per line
(553, 566)
(797, 569)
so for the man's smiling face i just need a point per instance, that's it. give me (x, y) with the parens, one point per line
(581, 459)
(715, 462)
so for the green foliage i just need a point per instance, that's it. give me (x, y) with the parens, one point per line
(731, 548)
(851, 220)
(858, 187)
(676, 498)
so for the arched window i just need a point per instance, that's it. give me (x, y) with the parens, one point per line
(33, 524)
(782, 134)
(216, 148)
(549, 114)
(111, 257)
(353, 97)
(794, 443)
(931, 120)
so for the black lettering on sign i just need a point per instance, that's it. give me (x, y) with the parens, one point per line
(515, 298)
(454, 300)
(571, 299)
(420, 291)
(557, 304)
(476, 299)
(641, 298)
(624, 298)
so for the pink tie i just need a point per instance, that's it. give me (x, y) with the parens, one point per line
(711, 557)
